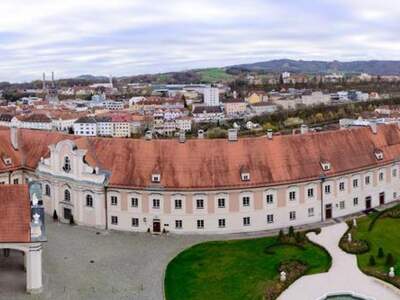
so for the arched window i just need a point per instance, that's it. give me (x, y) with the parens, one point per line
(67, 196)
(47, 190)
(89, 200)
(67, 164)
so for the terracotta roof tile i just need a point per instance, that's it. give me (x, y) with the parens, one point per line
(15, 214)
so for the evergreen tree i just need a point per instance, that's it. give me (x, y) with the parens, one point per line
(372, 261)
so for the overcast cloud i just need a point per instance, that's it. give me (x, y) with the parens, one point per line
(126, 37)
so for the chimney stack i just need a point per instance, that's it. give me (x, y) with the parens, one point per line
(182, 137)
(303, 129)
(374, 128)
(149, 135)
(200, 134)
(14, 137)
(232, 135)
(269, 134)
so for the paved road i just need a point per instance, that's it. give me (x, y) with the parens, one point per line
(344, 274)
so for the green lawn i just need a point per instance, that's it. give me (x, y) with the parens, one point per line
(233, 270)
(214, 75)
(385, 234)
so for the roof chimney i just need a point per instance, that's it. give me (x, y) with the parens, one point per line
(269, 134)
(14, 137)
(200, 134)
(149, 135)
(232, 135)
(303, 129)
(182, 136)
(374, 128)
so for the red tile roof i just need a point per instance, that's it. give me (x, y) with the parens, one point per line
(216, 163)
(15, 214)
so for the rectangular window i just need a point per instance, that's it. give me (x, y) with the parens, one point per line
(178, 204)
(380, 176)
(114, 200)
(311, 212)
(341, 186)
(292, 215)
(199, 203)
(200, 224)
(270, 219)
(355, 183)
(246, 221)
(310, 193)
(114, 220)
(270, 199)
(15, 181)
(341, 204)
(292, 196)
(367, 180)
(156, 203)
(135, 222)
(221, 202)
(355, 201)
(394, 172)
(327, 189)
(178, 224)
(246, 201)
(221, 223)
(134, 202)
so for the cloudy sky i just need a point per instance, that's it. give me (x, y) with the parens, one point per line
(125, 37)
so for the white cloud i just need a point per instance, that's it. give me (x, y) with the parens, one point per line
(126, 37)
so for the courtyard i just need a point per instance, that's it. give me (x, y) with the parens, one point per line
(85, 263)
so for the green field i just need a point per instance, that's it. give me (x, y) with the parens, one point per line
(214, 75)
(235, 270)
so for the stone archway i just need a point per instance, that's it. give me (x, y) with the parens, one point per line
(12, 271)
(23, 257)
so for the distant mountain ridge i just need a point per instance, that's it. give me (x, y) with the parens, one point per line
(373, 67)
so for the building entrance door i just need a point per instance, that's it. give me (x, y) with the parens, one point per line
(382, 198)
(67, 214)
(328, 211)
(156, 226)
(368, 202)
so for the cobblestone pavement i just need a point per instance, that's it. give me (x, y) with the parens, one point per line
(85, 263)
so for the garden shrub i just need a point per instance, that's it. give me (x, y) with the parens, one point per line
(390, 260)
(381, 254)
(372, 261)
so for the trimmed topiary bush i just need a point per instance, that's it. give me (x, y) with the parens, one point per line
(281, 235)
(291, 231)
(389, 260)
(381, 254)
(372, 261)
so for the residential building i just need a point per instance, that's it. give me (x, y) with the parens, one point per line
(85, 126)
(211, 96)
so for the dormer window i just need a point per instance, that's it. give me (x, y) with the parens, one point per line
(67, 165)
(155, 178)
(245, 176)
(7, 160)
(325, 165)
(378, 154)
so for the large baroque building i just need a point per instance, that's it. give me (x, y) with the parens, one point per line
(206, 186)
